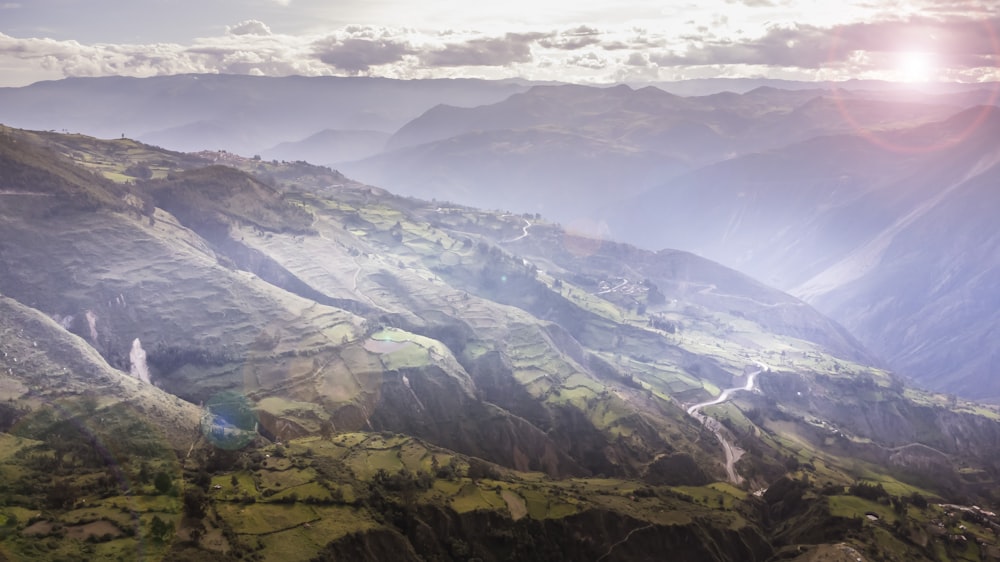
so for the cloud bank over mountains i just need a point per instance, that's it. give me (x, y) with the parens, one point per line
(955, 41)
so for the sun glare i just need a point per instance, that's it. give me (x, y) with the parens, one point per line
(915, 66)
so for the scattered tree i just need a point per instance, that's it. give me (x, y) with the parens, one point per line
(194, 502)
(162, 482)
(159, 529)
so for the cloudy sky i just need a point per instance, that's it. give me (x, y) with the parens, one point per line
(568, 40)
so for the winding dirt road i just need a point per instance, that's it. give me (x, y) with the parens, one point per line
(524, 232)
(733, 453)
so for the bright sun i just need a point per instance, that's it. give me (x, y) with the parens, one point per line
(915, 66)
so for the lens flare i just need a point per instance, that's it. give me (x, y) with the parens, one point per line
(915, 66)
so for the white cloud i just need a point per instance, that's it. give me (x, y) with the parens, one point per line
(249, 27)
(572, 53)
(589, 60)
(232, 54)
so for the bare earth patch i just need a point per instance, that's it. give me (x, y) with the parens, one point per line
(39, 528)
(515, 504)
(95, 529)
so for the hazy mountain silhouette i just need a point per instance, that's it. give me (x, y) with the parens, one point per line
(330, 146)
(893, 239)
(242, 114)
(613, 142)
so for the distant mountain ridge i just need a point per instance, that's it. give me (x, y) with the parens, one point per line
(242, 114)
(330, 146)
(615, 142)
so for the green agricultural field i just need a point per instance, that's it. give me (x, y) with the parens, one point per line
(366, 464)
(279, 480)
(414, 456)
(305, 541)
(262, 518)
(246, 485)
(309, 492)
(855, 507)
(718, 494)
(472, 497)
(145, 504)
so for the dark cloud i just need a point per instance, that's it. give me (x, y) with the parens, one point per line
(357, 54)
(957, 44)
(492, 51)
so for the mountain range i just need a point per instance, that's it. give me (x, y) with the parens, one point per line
(242, 114)
(801, 185)
(212, 356)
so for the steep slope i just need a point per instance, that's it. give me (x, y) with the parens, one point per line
(115, 278)
(781, 215)
(882, 237)
(65, 367)
(933, 285)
